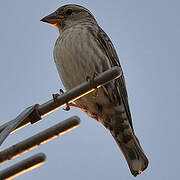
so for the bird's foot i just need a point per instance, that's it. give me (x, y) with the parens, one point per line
(74, 105)
(61, 91)
(92, 84)
(67, 108)
(55, 97)
(57, 94)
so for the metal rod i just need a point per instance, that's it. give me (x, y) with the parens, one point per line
(38, 139)
(79, 91)
(23, 166)
(75, 93)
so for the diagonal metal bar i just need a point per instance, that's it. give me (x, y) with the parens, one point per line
(38, 139)
(36, 112)
(23, 166)
(14, 123)
(79, 91)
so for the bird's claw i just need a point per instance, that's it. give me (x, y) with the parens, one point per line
(55, 97)
(92, 84)
(67, 108)
(57, 94)
(61, 91)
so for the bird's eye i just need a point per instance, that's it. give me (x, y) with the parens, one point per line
(69, 11)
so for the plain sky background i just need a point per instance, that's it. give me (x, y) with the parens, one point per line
(146, 34)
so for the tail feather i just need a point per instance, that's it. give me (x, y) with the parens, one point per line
(134, 154)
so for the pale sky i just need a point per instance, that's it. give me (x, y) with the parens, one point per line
(146, 37)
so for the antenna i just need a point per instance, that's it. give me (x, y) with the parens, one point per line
(35, 113)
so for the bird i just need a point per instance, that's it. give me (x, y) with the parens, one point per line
(83, 50)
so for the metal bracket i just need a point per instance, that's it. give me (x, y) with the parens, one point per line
(7, 128)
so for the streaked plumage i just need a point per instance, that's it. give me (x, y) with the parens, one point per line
(81, 50)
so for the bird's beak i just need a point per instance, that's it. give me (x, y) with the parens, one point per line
(52, 19)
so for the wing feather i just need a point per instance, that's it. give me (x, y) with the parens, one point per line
(119, 84)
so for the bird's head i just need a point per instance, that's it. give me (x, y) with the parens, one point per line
(69, 15)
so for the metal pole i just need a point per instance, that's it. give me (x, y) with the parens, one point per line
(69, 96)
(38, 139)
(23, 166)
(79, 91)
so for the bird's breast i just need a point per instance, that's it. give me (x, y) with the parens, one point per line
(77, 56)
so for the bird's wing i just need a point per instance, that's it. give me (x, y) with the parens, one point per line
(119, 87)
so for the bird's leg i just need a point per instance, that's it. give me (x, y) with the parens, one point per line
(55, 97)
(74, 105)
(71, 104)
(67, 104)
(91, 80)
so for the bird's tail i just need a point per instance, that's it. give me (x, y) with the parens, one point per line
(134, 154)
